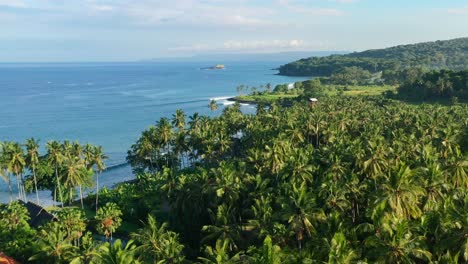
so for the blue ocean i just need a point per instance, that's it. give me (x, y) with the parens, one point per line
(109, 104)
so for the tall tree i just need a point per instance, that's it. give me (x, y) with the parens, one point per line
(32, 160)
(55, 158)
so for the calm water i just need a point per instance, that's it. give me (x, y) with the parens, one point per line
(109, 104)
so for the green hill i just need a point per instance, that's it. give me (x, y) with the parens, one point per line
(447, 54)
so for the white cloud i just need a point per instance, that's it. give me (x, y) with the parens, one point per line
(103, 8)
(344, 1)
(13, 3)
(458, 11)
(315, 11)
(244, 46)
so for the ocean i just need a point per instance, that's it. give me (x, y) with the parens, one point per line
(110, 104)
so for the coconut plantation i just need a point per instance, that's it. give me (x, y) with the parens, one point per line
(233, 132)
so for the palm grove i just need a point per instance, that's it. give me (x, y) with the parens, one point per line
(352, 179)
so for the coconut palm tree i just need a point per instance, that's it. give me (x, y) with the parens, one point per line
(16, 166)
(178, 120)
(53, 245)
(32, 160)
(158, 244)
(98, 158)
(4, 160)
(109, 219)
(76, 174)
(213, 105)
(400, 193)
(116, 253)
(55, 158)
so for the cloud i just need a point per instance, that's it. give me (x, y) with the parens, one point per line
(344, 1)
(13, 3)
(458, 11)
(315, 11)
(245, 46)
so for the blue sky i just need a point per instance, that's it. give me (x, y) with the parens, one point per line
(120, 30)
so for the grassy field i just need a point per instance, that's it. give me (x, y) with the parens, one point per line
(366, 90)
(332, 90)
(264, 97)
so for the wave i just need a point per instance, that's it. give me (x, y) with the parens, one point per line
(117, 166)
(221, 98)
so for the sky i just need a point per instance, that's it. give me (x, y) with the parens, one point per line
(126, 30)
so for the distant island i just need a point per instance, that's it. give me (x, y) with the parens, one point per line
(216, 67)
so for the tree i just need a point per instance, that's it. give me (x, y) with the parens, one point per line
(109, 219)
(55, 159)
(400, 193)
(16, 236)
(213, 105)
(178, 120)
(53, 245)
(116, 253)
(73, 222)
(76, 174)
(4, 160)
(16, 166)
(32, 160)
(158, 245)
(219, 254)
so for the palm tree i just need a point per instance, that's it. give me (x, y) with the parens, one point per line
(53, 245)
(213, 105)
(55, 159)
(109, 219)
(116, 253)
(301, 212)
(396, 243)
(4, 160)
(340, 251)
(178, 120)
(98, 157)
(400, 193)
(76, 174)
(16, 166)
(224, 227)
(220, 254)
(158, 244)
(32, 160)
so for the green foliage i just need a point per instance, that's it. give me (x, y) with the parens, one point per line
(109, 219)
(15, 232)
(157, 244)
(437, 85)
(351, 76)
(116, 253)
(450, 54)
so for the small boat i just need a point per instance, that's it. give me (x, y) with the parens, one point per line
(216, 67)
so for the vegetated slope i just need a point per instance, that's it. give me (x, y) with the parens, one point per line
(447, 54)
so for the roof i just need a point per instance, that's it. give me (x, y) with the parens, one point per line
(38, 215)
(4, 259)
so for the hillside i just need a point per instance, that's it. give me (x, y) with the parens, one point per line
(447, 54)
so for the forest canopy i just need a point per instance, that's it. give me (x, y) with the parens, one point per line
(448, 54)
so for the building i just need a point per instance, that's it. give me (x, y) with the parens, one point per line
(38, 215)
(313, 101)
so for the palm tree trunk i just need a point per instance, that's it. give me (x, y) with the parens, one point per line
(35, 185)
(23, 190)
(18, 185)
(97, 190)
(10, 189)
(58, 185)
(81, 197)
